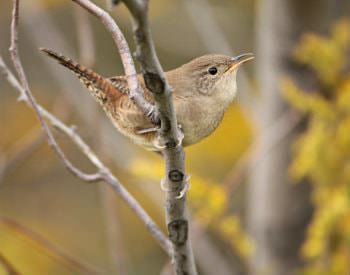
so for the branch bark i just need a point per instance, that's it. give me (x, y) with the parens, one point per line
(177, 221)
(154, 77)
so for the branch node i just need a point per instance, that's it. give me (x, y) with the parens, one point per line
(178, 231)
(176, 176)
(154, 82)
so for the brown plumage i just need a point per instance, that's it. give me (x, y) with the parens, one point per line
(203, 89)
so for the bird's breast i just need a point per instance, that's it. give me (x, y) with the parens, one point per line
(198, 117)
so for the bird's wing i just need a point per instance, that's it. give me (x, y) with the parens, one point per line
(127, 111)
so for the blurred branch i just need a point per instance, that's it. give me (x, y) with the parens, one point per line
(85, 38)
(176, 179)
(23, 149)
(27, 96)
(2, 166)
(10, 269)
(116, 251)
(272, 135)
(214, 40)
(40, 24)
(103, 172)
(52, 250)
(210, 259)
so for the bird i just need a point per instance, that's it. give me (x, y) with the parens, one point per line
(203, 89)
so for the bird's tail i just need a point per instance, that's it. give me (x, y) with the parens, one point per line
(100, 88)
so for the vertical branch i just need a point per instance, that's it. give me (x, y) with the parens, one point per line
(177, 220)
(85, 38)
(154, 76)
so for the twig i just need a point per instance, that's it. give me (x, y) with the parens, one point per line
(104, 173)
(85, 38)
(154, 77)
(23, 149)
(45, 29)
(10, 269)
(136, 93)
(53, 251)
(28, 97)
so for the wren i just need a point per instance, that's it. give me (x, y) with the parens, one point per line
(202, 91)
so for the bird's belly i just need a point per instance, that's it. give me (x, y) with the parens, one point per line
(198, 124)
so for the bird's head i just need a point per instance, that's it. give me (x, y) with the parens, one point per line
(215, 73)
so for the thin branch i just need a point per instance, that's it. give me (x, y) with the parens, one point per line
(103, 172)
(136, 92)
(155, 81)
(10, 269)
(28, 97)
(154, 77)
(106, 175)
(23, 149)
(85, 38)
(52, 250)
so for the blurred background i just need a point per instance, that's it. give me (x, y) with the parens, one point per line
(270, 188)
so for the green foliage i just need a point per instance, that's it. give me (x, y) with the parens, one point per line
(322, 153)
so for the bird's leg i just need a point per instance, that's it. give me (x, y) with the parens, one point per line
(164, 186)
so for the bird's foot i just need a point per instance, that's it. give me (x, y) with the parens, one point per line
(164, 185)
(181, 135)
(160, 144)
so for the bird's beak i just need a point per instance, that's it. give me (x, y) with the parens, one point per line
(239, 60)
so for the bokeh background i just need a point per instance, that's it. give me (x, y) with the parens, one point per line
(270, 188)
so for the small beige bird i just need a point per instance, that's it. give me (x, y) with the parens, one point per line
(202, 91)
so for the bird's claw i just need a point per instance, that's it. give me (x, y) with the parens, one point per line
(181, 136)
(159, 143)
(164, 186)
(184, 190)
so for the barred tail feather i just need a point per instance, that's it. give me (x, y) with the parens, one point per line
(100, 88)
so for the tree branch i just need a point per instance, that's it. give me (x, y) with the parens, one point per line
(136, 93)
(154, 77)
(103, 172)
(28, 97)
(177, 221)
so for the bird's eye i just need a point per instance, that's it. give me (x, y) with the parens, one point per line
(213, 70)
